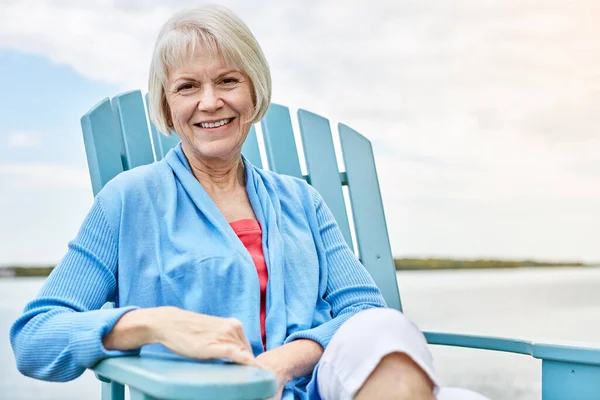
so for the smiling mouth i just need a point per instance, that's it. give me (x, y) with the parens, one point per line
(214, 124)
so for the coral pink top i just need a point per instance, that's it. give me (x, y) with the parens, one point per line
(250, 234)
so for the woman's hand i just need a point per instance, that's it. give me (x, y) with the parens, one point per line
(184, 332)
(271, 361)
(202, 336)
(290, 361)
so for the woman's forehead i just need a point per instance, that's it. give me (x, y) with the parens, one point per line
(200, 57)
(202, 64)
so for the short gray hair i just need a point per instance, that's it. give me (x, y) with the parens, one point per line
(222, 33)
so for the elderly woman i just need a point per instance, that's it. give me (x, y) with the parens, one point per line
(208, 257)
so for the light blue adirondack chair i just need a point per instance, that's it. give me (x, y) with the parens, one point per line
(117, 138)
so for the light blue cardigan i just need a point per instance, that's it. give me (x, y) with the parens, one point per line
(154, 237)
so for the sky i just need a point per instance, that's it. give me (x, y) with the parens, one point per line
(484, 115)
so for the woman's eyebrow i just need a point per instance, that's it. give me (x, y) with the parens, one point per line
(190, 77)
(227, 73)
(185, 78)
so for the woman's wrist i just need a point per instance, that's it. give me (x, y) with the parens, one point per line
(135, 329)
(279, 368)
(283, 373)
(152, 323)
(292, 360)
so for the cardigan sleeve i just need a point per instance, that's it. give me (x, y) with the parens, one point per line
(60, 332)
(350, 288)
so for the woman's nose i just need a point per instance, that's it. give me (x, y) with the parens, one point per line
(209, 100)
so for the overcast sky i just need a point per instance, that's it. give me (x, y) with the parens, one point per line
(484, 115)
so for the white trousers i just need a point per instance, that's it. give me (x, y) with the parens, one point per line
(359, 345)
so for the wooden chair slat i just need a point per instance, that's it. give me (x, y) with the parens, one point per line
(161, 142)
(321, 164)
(279, 141)
(102, 140)
(156, 142)
(250, 148)
(367, 209)
(131, 114)
(168, 142)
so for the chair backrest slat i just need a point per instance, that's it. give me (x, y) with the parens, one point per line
(279, 141)
(367, 210)
(166, 143)
(321, 164)
(101, 137)
(250, 148)
(161, 143)
(131, 114)
(156, 142)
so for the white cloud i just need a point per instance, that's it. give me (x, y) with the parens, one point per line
(43, 176)
(23, 140)
(479, 111)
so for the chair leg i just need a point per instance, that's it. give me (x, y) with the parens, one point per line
(567, 381)
(113, 391)
(137, 395)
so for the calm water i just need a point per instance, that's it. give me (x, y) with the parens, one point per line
(536, 304)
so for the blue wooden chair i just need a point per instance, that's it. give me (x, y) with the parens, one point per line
(117, 138)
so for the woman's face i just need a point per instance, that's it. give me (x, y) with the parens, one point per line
(210, 105)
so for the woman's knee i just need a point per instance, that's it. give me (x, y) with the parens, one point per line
(397, 377)
(363, 341)
(381, 329)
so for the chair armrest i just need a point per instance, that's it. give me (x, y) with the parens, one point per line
(554, 352)
(167, 377)
(571, 354)
(480, 342)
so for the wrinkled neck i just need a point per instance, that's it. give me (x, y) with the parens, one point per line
(218, 176)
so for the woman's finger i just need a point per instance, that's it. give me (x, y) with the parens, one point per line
(236, 354)
(237, 330)
(246, 342)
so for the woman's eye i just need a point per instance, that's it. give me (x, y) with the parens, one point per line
(185, 86)
(229, 81)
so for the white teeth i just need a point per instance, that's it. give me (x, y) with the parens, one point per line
(215, 124)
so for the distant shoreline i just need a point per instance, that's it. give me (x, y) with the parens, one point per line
(409, 264)
(402, 264)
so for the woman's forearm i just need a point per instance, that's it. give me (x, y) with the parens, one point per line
(133, 330)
